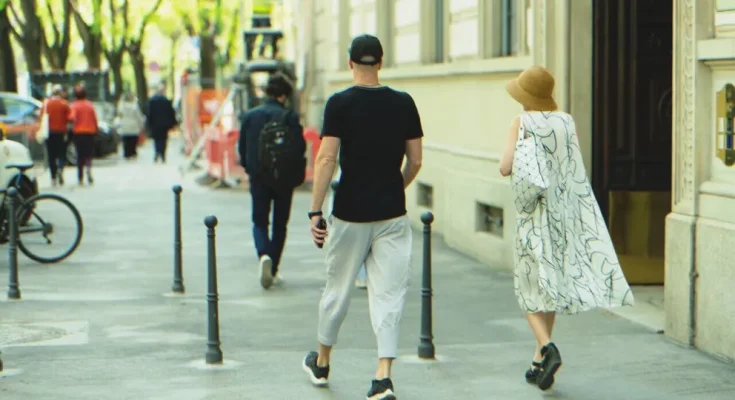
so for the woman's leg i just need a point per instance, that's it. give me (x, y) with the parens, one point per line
(61, 157)
(51, 157)
(541, 324)
(126, 147)
(89, 157)
(79, 145)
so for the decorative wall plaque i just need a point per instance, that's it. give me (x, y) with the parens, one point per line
(726, 125)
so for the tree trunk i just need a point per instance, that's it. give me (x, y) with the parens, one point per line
(57, 53)
(92, 40)
(141, 83)
(8, 74)
(115, 59)
(207, 62)
(32, 39)
(93, 52)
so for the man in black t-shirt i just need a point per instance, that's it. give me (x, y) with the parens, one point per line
(373, 128)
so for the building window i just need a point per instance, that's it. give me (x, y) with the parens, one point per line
(335, 54)
(362, 18)
(509, 25)
(425, 196)
(407, 25)
(489, 219)
(463, 29)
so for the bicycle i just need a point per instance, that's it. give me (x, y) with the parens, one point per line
(28, 218)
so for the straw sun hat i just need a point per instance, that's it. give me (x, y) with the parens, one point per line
(533, 89)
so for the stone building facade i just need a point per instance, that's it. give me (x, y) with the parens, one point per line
(659, 162)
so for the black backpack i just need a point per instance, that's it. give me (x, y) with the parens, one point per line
(281, 163)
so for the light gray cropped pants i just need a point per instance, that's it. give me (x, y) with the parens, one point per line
(385, 249)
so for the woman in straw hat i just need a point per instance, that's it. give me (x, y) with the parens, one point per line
(565, 261)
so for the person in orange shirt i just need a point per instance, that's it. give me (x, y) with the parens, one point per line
(59, 116)
(84, 129)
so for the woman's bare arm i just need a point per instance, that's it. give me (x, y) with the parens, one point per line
(506, 161)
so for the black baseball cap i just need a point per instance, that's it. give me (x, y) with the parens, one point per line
(366, 50)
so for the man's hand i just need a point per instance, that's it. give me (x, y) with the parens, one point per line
(319, 235)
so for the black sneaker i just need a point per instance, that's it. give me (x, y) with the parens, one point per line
(549, 366)
(381, 390)
(319, 375)
(533, 373)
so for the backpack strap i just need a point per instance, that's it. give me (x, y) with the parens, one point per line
(282, 116)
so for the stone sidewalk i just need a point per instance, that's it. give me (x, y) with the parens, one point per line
(103, 325)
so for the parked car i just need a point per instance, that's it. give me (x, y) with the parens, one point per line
(22, 114)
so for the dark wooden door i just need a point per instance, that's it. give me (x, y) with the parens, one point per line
(632, 83)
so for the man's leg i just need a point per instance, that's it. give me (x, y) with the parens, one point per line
(388, 276)
(262, 198)
(164, 145)
(347, 246)
(281, 214)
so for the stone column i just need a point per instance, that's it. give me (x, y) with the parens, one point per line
(690, 113)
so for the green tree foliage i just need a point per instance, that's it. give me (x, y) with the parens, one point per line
(169, 26)
(57, 23)
(216, 24)
(134, 47)
(114, 44)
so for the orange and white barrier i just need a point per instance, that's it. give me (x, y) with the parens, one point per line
(313, 141)
(222, 156)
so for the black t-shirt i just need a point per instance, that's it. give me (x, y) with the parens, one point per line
(373, 124)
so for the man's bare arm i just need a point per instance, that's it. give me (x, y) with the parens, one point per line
(414, 155)
(326, 162)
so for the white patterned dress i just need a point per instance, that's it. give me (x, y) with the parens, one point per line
(564, 258)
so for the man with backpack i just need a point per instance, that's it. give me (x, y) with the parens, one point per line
(272, 151)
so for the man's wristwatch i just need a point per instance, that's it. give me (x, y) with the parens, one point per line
(313, 214)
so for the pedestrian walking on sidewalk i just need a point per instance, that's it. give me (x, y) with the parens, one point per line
(272, 151)
(130, 123)
(58, 112)
(84, 130)
(565, 261)
(161, 118)
(373, 128)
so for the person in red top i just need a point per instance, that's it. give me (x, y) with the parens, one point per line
(59, 116)
(84, 129)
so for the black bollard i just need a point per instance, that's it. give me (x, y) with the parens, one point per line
(178, 286)
(426, 345)
(13, 287)
(214, 352)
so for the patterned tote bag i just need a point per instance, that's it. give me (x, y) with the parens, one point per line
(529, 177)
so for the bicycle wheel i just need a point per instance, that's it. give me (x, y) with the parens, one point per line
(53, 220)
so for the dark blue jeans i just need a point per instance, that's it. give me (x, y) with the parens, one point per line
(263, 196)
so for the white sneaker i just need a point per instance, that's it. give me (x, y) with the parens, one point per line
(266, 279)
(278, 279)
(361, 283)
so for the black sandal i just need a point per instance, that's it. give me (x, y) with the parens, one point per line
(549, 366)
(533, 372)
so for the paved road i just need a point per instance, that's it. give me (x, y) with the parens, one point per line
(101, 325)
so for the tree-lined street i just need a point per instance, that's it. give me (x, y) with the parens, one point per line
(103, 324)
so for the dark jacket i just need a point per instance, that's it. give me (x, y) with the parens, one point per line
(252, 124)
(160, 116)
